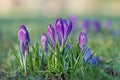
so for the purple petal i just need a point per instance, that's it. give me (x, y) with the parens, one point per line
(87, 55)
(59, 27)
(69, 29)
(44, 42)
(94, 60)
(23, 35)
(51, 33)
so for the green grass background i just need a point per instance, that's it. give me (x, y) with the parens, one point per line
(104, 44)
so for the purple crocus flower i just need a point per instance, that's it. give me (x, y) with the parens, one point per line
(108, 23)
(82, 40)
(59, 27)
(23, 37)
(67, 28)
(51, 33)
(59, 30)
(97, 25)
(88, 57)
(85, 24)
(73, 19)
(44, 42)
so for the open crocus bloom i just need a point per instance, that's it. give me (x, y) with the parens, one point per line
(88, 57)
(23, 37)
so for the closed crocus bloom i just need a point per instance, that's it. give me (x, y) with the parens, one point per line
(67, 28)
(59, 27)
(51, 33)
(82, 40)
(44, 42)
(23, 37)
(59, 30)
(97, 26)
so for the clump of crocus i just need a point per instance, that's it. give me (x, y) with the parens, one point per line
(85, 24)
(97, 26)
(24, 40)
(61, 31)
(88, 57)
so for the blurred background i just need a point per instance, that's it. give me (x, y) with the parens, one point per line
(37, 14)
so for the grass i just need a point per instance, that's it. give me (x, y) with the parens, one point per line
(104, 44)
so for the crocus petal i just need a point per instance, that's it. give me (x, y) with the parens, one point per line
(44, 42)
(87, 55)
(65, 26)
(23, 34)
(82, 39)
(69, 29)
(94, 60)
(23, 37)
(51, 33)
(59, 27)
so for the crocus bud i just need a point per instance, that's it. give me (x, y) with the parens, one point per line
(51, 33)
(97, 26)
(23, 37)
(67, 28)
(82, 40)
(44, 42)
(59, 30)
